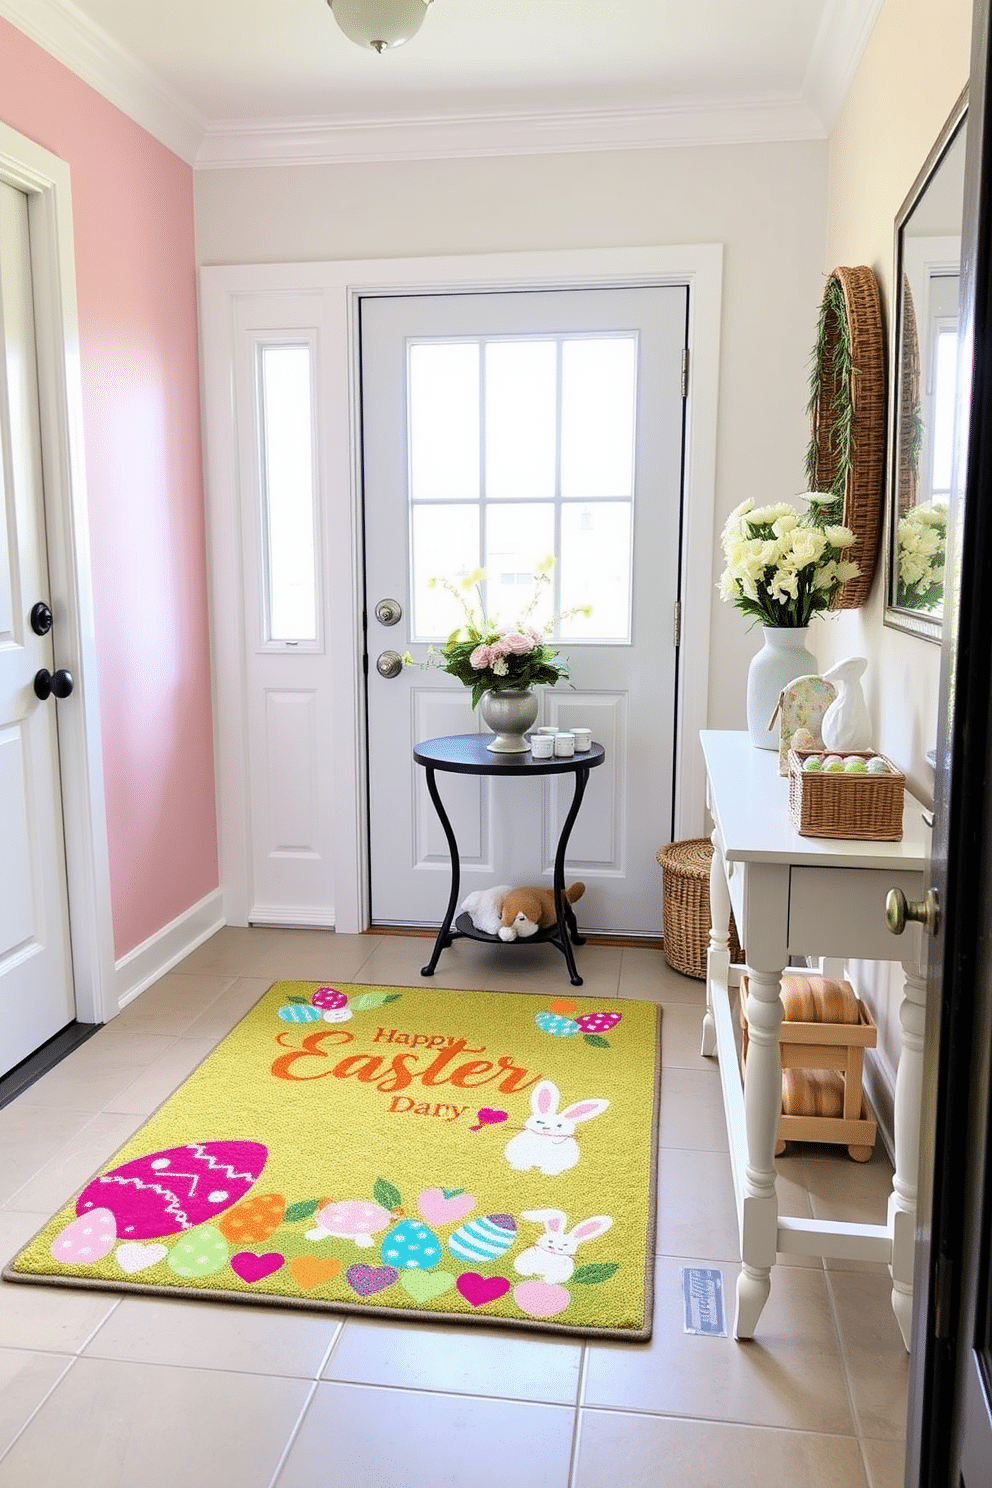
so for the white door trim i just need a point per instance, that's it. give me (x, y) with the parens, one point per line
(45, 179)
(341, 285)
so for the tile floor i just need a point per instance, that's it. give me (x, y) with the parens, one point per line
(147, 1393)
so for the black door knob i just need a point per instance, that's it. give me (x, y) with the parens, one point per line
(41, 618)
(53, 684)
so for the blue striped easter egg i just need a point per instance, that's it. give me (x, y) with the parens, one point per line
(484, 1239)
(300, 1012)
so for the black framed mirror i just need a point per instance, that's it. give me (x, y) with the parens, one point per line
(923, 463)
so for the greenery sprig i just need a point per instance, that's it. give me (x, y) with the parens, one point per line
(831, 440)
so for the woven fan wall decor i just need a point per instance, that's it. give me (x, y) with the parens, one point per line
(848, 417)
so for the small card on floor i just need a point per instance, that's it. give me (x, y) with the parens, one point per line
(702, 1299)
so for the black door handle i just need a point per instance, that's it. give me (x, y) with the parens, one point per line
(48, 684)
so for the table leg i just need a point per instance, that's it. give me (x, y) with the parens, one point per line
(567, 928)
(443, 936)
(718, 954)
(906, 1121)
(762, 1108)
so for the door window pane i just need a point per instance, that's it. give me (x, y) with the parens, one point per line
(444, 420)
(521, 434)
(288, 497)
(597, 417)
(444, 543)
(595, 570)
(518, 538)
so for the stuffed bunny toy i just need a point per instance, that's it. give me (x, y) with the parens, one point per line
(547, 1141)
(550, 1257)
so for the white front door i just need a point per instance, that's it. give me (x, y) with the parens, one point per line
(36, 988)
(497, 430)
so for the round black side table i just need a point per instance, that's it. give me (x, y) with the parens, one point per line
(467, 754)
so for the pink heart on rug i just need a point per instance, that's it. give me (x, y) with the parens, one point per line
(368, 1279)
(252, 1268)
(481, 1289)
(489, 1117)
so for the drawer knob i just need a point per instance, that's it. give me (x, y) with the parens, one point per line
(899, 910)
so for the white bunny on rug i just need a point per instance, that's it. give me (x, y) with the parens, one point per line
(550, 1257)
(547, 1141)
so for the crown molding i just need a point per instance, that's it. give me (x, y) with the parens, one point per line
(62, 30)
(353, 142)
(837, 51)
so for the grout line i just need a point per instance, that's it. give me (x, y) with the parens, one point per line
(40, 1406)
(293, 1435)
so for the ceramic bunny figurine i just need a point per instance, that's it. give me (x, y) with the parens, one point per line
(846, 725)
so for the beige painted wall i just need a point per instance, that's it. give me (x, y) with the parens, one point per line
(765, 203)
(912, 72)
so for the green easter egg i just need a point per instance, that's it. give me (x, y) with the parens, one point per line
(813, 763)
(201, 1252)
(854, 766)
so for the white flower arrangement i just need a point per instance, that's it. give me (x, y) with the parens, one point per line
(783, 568)
(921, 540)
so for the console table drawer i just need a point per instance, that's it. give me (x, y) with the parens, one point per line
(841, 912)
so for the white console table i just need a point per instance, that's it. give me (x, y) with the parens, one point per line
(803, 896)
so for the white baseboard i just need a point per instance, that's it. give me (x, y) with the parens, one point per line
(136, 971)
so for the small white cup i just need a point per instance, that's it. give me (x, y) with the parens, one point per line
(549, 729)
(542, 746)
(583, 739)
(564, 745)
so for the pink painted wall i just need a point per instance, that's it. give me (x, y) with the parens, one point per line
(136, 284)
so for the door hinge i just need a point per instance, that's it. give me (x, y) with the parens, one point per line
(685, 371)
(678, 623)
(943, 1299)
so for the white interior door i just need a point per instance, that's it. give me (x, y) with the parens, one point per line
(36, 989)
(498, 430)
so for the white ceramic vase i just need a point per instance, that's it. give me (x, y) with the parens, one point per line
(782, 659)
(509, 714)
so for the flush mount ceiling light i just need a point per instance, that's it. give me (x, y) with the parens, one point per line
(379, 24)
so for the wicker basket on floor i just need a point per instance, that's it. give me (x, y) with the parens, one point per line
(685, 868)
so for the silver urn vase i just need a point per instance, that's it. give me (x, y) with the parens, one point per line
(509, 714)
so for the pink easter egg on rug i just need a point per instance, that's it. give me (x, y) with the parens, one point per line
(541, 1299)
(86, 1240)
(598, 1022)
(175, 1189)
(329, 997)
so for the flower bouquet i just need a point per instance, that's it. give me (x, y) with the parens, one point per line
(921, 540)
(490, 656)
(783, 568)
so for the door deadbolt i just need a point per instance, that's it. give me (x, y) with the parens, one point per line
(41, 618)
(388, 611)
(900, 911)
(389, 664)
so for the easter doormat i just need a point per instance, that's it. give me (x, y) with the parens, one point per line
(394, 1151)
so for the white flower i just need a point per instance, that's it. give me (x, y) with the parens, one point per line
(838, 537)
